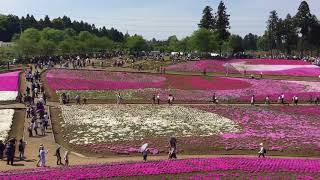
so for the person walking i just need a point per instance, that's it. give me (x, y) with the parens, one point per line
(78, 99)
(173, 148)
(145, 154)
(296, 100)
(214, 98)
(158, 99)
(2, 148)
(253, 100)
(262, 151)
(170, 100)
(30, 126)
(22, 146)
(84, 100)
(43, 154)
(58, 155)
(267, 100)
(153, 99)
(66, 158)
(119, 98)
(10, 149)
(282, 98)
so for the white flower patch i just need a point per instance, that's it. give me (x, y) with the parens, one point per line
(241, 66)
(310, 86)
(6, 117)
(105, 123)
(8, 95)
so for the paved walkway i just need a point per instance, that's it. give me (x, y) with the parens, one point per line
(13, 106)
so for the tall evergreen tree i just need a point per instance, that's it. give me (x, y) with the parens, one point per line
(250, 42)
(290, 36)
(207, 21)
(303, 20)
(222, 25)
(272, 30)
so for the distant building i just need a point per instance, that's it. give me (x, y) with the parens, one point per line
(5, 44)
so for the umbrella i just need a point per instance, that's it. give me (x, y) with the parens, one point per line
(144, 147)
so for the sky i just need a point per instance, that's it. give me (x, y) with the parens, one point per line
(158, 18)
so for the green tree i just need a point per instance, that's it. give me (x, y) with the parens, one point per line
(290, 36)
(53, 35)
(173, 43)
(272, 30)
(304, 22)
(136, 43)
(262, 43)
(222, 25)
(235, 44)
(204, 40)
(26, 45)
(250, 42)
(207, 21)
(46, 47)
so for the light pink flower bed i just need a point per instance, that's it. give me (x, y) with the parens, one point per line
(294, 129)
(276, 62)
(309, 72)
(215, 66)
(9, 81)
(291, 67)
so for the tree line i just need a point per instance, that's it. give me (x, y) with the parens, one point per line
(11, 25)
(292, 35)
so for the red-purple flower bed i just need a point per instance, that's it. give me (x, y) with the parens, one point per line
(100, 80)
(215, 66)
(212, 167)
(202, 83)
(184, 88)
(9, 81)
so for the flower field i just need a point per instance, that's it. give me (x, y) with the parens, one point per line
(215, 66)
(107, 123)
(6, 117)
(212, 168)
(133, 86)
(290, 129)
(9, 86)
(122, 129)
(254, 66)
(100, 80)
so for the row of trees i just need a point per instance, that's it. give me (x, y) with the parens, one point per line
(294, 33)
(11, 25)
(62, 36)
(53, 41)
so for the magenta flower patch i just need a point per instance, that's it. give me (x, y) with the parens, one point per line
(9, 81)
(204, 169)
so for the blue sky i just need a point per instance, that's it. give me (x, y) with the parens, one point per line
(157, 18)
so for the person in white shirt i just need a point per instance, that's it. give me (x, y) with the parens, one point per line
(66, 158)
(282, 98)
(158, 98)
(253, 100)
(262, 151)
